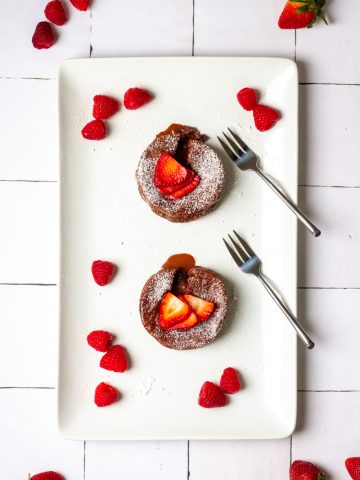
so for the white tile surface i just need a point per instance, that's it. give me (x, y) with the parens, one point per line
(328, 431)
(329, 144)
(331, 53)
(246, 27)
(331, 317)
(234, 460)
(29, 440)
(28, 312)
(141, 27)
(28, 107)
(18, 57)
(331, 260)
(136, 460)
(29, 238)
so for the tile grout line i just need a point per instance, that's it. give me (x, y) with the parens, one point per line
(5, 284)
(27, 388)
(193, 29)
(328, 288)
(291, 445)
(90, 34)
(84, 462)
(188, 460)
(328, 391)
(295, 41)
(16, 180)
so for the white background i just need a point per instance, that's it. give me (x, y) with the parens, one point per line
(329, 275)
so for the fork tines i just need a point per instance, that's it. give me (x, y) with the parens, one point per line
(235, 147)
(242, 252)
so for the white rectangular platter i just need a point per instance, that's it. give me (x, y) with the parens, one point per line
(104, 217)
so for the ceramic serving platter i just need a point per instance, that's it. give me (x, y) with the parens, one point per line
(104, 217)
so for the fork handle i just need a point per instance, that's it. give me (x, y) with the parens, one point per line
(298, 328)
(310, 226)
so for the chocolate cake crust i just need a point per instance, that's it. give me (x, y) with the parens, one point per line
(198, 281)
(186, 144)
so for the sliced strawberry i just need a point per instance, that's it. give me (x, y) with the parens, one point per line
(168, 190)
(172, 311)
(169, 172)
(104, 107)
(202, 308)
(190, 322)
(211, 396)
(186, 189)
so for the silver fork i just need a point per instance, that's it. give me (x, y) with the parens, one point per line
(246, 159)
(249, 262)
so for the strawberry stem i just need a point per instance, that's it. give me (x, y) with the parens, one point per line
(315, 6)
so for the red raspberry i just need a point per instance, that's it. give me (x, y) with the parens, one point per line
(100, 340)
(135, 98)
(105, 395)
(43, 36)
(211, 396)
(229, 382)
(55, 13)
(94, 130)
(247, 98)
(104, 107)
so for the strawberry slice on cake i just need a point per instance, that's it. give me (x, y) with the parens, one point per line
(172, 179)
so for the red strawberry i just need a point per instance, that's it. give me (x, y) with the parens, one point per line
(190, 322)
(301, 13)
(186, 189)
(115, 359)
(172, 311)
(353, 467)
(102, 271)
(169, 172)
(105, 395)
(47, 476)
(229, 382)
(104, 107)
(55, 13)
(43, 36)
(211, 396)
(100, 340)
(202, 308)
(247, 98)
(265, 117)
(82, 5)
(94, 130)
(300, 470)
(135, 98)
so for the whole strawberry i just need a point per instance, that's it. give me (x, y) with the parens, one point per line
(301, 470)
(265, 117)
(115, 359)
(136, 97)
(47, 476)
(94, 130)
(43, 36)
(100, 340)
(55, 13)
(229, 382)
(105, 395)
(301, 13)
(82, 5)
(352, 465)
(102, 272)
(104, 107)
(211, 396)
(247, 98)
